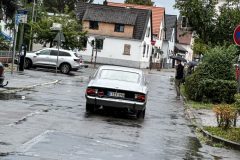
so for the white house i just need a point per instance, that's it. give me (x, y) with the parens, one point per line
(158, 28)
(185, 39)
(121, 35)
(168, 46)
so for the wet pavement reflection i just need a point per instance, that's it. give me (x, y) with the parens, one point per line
(56, 126)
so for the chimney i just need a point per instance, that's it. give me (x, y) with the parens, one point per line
(105, 2)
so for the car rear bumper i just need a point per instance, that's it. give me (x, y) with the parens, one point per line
(76, 67)
(116, 103)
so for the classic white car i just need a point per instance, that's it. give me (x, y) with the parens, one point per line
(119, 87)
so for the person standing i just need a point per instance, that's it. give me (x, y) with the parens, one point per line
(179, 77)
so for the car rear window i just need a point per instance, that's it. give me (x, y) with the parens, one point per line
(119, 75)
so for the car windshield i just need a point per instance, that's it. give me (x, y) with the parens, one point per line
(120, 75)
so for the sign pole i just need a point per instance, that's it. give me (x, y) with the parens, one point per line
(236, 38)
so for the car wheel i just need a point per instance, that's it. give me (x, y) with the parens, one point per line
(141, 114)
(90, 108)
(65, 68)
(27, 63)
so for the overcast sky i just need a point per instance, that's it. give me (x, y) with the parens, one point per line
(167, 4)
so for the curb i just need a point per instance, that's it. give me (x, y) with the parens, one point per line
(28, 87)
(195, 121)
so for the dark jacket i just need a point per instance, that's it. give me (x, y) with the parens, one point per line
(179, 73)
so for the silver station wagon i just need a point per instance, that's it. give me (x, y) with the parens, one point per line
(47, 57)
(117, 87)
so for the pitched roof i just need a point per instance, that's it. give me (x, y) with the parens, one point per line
(171, 22)
(139, 18)
(103, 15)
(157, 13)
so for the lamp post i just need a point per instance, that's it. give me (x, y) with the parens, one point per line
(31, 30)
(57, 27)
(19, 5)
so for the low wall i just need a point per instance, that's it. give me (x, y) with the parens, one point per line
(6, 59)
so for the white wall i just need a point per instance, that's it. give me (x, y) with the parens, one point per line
(112, 52)
(148, 52)
(159, 40)
(189, 54)
(171, 45)
(113, 48)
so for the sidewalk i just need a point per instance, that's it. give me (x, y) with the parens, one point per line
(208, 118)
(23, 80)
(201, 118)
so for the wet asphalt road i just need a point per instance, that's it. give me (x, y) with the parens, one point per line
(50, 123)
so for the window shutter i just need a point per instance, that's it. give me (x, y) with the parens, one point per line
(127, 48)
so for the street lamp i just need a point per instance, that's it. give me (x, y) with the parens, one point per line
(19, 5)
(57, 27)
(31, 30)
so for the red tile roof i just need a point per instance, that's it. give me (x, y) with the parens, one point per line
(157, 13)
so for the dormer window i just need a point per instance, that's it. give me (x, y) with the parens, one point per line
(119, 28)
(93, 25)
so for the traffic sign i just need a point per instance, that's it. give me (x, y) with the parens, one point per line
(21, 18)
(236, 35)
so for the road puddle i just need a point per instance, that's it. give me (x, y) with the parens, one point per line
(10, 96)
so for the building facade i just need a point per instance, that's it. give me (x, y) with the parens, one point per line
(116, 35)
(158, 29)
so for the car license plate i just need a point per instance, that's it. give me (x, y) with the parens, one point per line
(116, 94)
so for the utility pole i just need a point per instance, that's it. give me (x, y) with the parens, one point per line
(31, 30)
(95, 59)
(93, 46)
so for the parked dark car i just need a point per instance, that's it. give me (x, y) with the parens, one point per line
(117, 87)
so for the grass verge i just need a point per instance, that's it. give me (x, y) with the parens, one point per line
(232, 134)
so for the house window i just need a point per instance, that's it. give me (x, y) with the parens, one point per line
(99, 43)
(144, 49)
(147, 50)
(93, 24)
(148, 32)
(127, 48)
(184, 22)
(119, 28)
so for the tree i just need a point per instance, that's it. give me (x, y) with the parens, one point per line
(224, 27)
(201, 15)
(70, 28)
(8, 7)
(57, 6)
(214, 78)
(140, 2)
(211, 27)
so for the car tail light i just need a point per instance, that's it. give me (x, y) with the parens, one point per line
(100, 93)
(140, 97)
(91, 91)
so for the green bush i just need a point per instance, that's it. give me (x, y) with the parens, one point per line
(218, 90)
(214, 79)
(237, 102)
